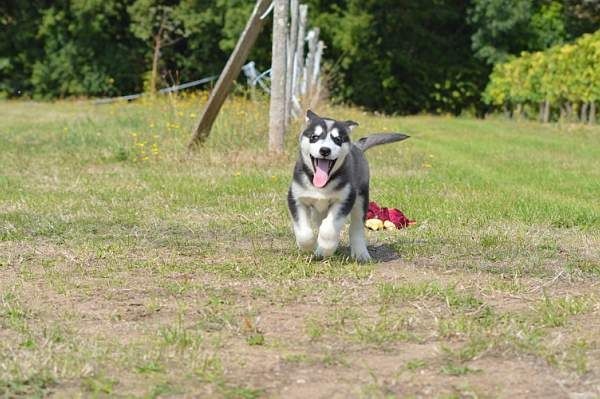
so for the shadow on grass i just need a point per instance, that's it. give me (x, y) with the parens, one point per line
(380, 253)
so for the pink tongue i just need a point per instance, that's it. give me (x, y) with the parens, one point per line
(321, 174)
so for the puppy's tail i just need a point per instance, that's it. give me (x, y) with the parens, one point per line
(377, 139)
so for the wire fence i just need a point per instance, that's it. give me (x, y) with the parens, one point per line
(165, 90)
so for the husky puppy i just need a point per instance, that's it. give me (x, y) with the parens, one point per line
(330, 182)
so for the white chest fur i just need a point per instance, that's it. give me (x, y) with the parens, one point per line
(319, 198)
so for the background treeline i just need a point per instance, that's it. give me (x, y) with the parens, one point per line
(398, 56)
(563, 80)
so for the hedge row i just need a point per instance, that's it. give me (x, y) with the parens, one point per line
(565, 77)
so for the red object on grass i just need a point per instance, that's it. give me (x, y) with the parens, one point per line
(393, 215)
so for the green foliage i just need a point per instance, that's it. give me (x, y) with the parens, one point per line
(19, 44)
(399, 56)
(561, 73)
(211, 30)
(501, 28)
(549, 25)
(505, 28)
(80, 53)
(150, 18)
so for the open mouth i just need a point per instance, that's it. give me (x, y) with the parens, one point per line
(322, 169)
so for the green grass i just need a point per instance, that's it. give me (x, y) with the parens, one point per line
(130, 267)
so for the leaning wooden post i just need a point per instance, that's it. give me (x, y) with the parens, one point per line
(230, 72)
(278, 77)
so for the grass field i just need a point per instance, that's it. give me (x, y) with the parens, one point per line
(131, 268)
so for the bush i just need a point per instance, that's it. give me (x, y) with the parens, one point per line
(562, 76)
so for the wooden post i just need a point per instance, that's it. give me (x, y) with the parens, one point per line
(316, 78)
(299, 65)
(229, 73)
(278, 77)
(313, 38)
(291, 60)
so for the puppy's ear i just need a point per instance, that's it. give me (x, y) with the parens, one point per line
(350, 125)
(311, 116)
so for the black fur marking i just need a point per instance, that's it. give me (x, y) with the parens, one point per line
(363, 191)
(307, 171)
(300, 170)
(344, 136)
(310, 131)
(292, 205)
(342, 128)
(340, 184)
(339, 173)
(348, 204)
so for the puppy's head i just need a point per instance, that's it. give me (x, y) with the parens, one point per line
(324, 145)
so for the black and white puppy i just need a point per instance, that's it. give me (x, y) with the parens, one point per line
(330, 182)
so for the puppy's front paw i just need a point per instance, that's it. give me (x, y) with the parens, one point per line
(326, 246)
(305, 240)
(324, 252)
(361, 256)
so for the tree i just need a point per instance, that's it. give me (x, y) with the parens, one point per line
(20, 46)
(507, 27)
(502, 28)
(87, 50)
(401, 56)
(212, 28)
(157, 23)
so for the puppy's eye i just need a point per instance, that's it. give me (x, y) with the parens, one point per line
(314, 137)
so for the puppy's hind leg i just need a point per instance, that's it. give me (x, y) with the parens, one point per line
(358, 241)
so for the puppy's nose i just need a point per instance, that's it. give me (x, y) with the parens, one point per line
(324, 151)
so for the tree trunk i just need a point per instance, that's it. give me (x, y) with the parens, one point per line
(277, 117)
(541, 112)
(583, 113)
(155, 58)
(546, 117)
(592, 117)
(569, 111)
(519, 112)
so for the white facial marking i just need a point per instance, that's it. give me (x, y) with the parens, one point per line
(310, 151)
